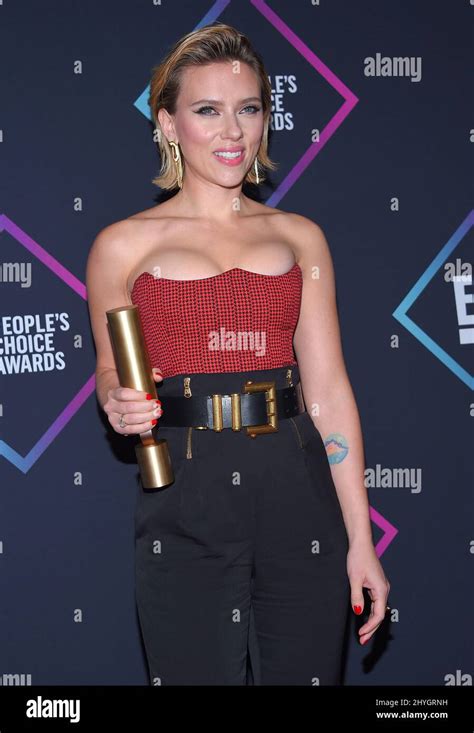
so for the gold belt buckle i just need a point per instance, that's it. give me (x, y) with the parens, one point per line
(271, 426)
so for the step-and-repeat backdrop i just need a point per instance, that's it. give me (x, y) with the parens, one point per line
(372, 132)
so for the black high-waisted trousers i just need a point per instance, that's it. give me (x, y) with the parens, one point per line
(246, 550)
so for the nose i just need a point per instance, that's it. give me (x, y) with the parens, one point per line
(231, 127)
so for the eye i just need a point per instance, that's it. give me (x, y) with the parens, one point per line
(204, 110)
(201, 110)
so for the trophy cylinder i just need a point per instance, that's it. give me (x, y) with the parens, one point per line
(154, 462)
(134, 370)
(131, 355)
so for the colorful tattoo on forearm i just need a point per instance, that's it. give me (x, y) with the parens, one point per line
(336, 447)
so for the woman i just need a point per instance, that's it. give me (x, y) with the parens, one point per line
(268, 525)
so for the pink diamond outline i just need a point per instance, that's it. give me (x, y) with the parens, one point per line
(350, 100)
(24, 463)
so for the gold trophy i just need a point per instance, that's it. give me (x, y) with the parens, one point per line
(134, 370)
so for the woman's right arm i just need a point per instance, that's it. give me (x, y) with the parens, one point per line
(107, 271)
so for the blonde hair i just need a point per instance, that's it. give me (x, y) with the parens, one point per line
(211, 43)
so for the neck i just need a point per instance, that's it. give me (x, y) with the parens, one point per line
(210, 201)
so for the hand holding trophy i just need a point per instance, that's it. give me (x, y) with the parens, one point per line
(134, 370)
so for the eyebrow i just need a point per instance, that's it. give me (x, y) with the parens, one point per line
(218, 102)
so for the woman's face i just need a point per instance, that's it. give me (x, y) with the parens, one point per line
(219, 108)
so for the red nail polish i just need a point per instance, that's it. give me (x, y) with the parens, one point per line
(358, 610)
(153, 422)
(158, 402)
(148, 396)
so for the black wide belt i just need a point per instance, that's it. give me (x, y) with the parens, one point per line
(257, 408)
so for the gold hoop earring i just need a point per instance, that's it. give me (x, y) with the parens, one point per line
(257, 177)
(178, 162)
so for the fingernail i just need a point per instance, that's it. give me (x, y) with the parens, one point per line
(148, 396)
(158, 402)
(358, 609)
(153, 422)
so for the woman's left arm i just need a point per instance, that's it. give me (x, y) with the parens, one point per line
(331, 404)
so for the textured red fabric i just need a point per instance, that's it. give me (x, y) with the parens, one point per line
(235, 321)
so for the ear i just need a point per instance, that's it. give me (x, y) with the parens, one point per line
(166, 123)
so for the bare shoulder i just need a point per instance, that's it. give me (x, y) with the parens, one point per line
(121, 242)
(112, 240)
(111, 257)
(305, 236)
(107, 264)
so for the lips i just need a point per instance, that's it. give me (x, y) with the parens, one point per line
(229, 154)
(230, 157)
(229, 150)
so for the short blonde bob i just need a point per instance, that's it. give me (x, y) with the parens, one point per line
(211, 43)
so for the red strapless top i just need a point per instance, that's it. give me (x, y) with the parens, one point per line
(235, 321)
